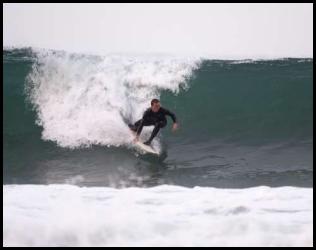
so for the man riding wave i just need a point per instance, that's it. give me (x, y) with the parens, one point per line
(155, 115)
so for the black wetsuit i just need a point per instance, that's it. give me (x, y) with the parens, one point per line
(158, 119)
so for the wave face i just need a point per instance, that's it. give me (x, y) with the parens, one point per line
(65, 215)
(250, 101)
(245, 120)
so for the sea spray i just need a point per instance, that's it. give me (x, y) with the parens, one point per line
(85, 100)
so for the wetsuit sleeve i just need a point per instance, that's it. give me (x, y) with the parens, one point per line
(172, 115)
(141, 125)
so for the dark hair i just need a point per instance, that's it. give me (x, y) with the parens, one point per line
(154, 101)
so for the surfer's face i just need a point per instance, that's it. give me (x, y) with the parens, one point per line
(155, 107)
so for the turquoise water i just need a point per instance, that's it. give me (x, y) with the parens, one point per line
(242, 123)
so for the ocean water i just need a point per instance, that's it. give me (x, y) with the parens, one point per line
(238, 171)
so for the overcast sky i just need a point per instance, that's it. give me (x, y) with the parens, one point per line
(214, 30)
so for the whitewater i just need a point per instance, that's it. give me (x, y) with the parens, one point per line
(89, 98)
(64, 215)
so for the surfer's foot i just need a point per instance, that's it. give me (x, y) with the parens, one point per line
(147, 143)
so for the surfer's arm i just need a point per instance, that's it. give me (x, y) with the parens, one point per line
(172, 115)
(174, 119)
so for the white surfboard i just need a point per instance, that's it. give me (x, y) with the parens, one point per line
(146, 148)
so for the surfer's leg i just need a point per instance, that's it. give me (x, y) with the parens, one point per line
(138, 126)
(132, 127)
(158, 126)
(135, 126)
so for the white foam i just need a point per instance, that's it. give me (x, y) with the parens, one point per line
(64, 215)
(81, 100)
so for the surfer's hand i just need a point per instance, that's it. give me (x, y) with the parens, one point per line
(174, 127)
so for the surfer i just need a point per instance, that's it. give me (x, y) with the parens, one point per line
(155, 115)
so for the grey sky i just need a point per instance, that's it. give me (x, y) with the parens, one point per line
(214, 30)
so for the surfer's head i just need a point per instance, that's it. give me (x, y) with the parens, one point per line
(155, 105)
